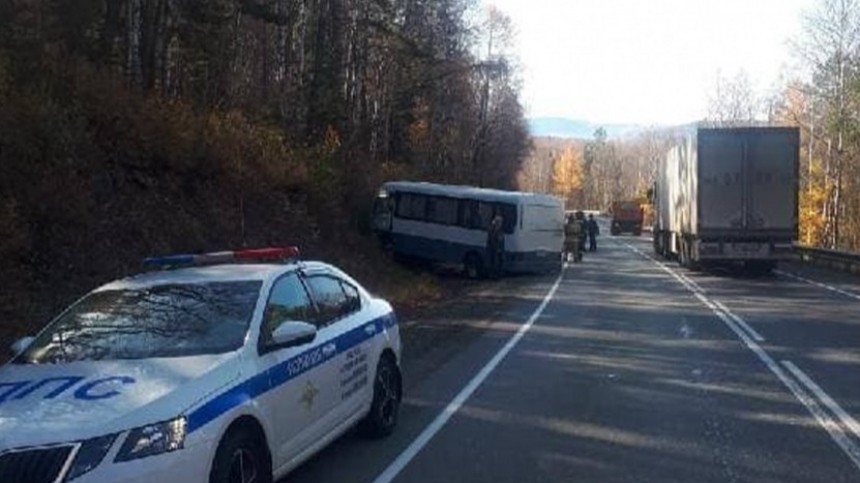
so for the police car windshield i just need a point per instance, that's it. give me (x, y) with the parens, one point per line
(160, 321)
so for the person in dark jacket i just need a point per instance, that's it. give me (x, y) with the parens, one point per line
(583, 230)
(496, 245)
(593, 232)
(572, 239)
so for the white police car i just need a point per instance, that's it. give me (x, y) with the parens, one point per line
(218, 372)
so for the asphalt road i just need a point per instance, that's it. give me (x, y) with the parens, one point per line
(634, 371)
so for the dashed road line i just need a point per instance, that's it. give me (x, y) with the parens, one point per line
(694, 287)
(818, 284)
(692, 282)
(825, 398)
(836, 431)
(743, 323)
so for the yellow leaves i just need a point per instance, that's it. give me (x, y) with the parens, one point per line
(798, 108)
(419, 133)
(813, 197)
(795, 105)
(567, 173)
(222, 141)
(332, 139)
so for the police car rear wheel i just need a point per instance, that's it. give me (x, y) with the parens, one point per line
(240, 459)
(387, 393)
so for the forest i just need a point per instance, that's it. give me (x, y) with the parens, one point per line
(136, 127)
(592, 174)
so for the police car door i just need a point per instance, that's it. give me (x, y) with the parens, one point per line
(293, 405)
(348, 330)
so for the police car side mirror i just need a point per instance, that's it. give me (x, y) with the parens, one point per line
(291, 334)
(21, 345)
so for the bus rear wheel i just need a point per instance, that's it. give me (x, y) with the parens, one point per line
(473, 266)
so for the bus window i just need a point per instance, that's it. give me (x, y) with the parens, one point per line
(509, 216)
(470, 215)
(487, 211)
(442, 210)
(411, 207)
(477, 215)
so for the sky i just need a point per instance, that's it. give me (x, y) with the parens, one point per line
(650, 62)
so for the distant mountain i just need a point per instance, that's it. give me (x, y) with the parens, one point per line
(577, 129)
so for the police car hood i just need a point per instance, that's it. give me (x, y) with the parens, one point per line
(49, 403)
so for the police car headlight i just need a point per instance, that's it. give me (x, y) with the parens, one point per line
(152, 440)
(90, 454)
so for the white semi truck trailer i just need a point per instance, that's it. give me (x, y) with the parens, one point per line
(728, 196)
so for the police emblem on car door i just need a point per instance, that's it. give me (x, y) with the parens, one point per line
(341, 303)
(294, 403)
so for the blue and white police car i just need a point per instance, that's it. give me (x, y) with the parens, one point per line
(227, 367)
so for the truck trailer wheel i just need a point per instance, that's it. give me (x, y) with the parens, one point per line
(661, 244)
(682, 255)
(686, 257)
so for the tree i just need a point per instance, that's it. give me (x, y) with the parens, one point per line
(498, 104)
(797, 106)
(829, 48)
(211, 109)
(733, 102)
(599, 159)
(567, 176)
(536, 170)
(622, 169)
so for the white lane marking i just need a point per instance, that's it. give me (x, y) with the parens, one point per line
(716, 310)
(818, 284)
(741, 322)
(836, 432)
(403, 459)
(692, 283)
(697, 289)
(688, 284)
(825, 398)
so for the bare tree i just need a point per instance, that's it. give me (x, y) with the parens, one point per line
(829, 48)
(733, 101)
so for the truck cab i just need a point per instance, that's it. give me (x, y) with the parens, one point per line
(627, 217)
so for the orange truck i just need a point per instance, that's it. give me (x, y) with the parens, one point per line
(627, 217)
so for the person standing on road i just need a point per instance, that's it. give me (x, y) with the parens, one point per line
(572, 239)
(583, 230)
(496, 245)
(593, 232)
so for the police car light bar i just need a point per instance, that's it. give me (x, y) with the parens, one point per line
(246, 255)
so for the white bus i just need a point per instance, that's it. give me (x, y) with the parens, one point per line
(448, 224)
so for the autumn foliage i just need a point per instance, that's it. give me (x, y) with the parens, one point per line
(567, 176)
(130, 128)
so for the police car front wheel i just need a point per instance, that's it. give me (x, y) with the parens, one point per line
(241, 458)
(387, 393)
